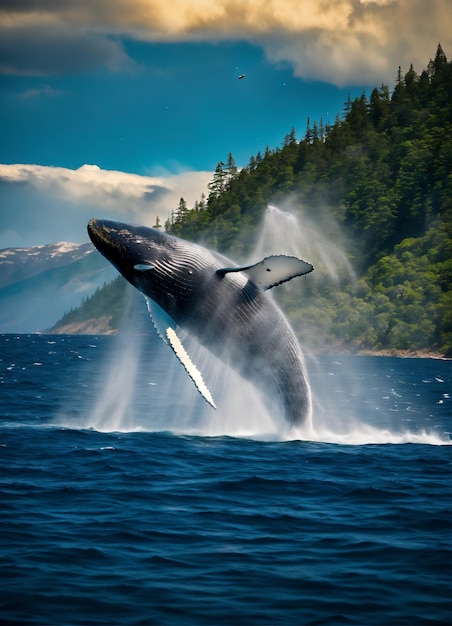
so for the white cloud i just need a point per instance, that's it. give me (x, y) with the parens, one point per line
(44, 204)
(340, 41)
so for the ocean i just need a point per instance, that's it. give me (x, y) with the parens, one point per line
(126, 499)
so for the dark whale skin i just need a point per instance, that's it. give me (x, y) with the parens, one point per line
(227, 313)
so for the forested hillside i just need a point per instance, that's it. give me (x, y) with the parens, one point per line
(382, 174)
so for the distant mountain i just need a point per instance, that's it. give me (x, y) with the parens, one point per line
(39, 284)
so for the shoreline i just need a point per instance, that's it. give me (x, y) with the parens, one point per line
(405, 354)
(101, 326)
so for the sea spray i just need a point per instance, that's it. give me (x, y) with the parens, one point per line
(291, 231)
(113, 410)
(174, 404)
(341, 412)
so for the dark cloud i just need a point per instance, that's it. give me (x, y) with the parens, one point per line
(46, 51)
(153, 193)
(333, 40)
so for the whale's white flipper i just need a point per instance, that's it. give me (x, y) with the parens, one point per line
(190, 367)
(272, 271)
(166, 329)
(160, 318)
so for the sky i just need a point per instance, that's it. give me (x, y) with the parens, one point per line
(118, 108)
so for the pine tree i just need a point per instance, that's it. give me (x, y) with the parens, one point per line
(202, 203)
(321, 130)
(315, 132)
(348, 105)
(181, 211)
(308, 134)
(231, 168)
(218, 183)
(379, 105)
(440, 59)
(290, 139)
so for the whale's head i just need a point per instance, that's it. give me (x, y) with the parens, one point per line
(129, 248)
(157, 264)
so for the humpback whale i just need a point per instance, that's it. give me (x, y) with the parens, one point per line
(223, 306)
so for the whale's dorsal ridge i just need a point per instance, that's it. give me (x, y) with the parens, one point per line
(272, 271)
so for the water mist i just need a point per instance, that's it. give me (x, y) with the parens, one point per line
(114, 408)
(339, 399)
(148, 389)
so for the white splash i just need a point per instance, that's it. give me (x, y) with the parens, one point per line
(292, 231)
(113, 409)
(115, 384)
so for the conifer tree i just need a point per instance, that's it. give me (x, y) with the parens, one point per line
(181, 211)
(308, 134)
(202, 202)
(231, 168)
(321, 130)
(218, 182)
(290, 139)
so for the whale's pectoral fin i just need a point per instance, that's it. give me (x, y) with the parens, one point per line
(272, 271)
(166, 329)
(160, 318)
(190, 367)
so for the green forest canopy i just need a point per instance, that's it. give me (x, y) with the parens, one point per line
(382, 176)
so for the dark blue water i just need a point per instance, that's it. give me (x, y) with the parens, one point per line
(126, 500)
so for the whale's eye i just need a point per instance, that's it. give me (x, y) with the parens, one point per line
(190, 272)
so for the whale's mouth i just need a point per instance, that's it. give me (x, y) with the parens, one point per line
(99, 234)
(110, 237)
(104, 233)
(111, 240)
(93, 228)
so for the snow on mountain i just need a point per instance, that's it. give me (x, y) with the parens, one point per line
(20, 263)
(39, 284)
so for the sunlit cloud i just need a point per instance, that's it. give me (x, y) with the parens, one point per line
(54, 203)
(339, 41)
